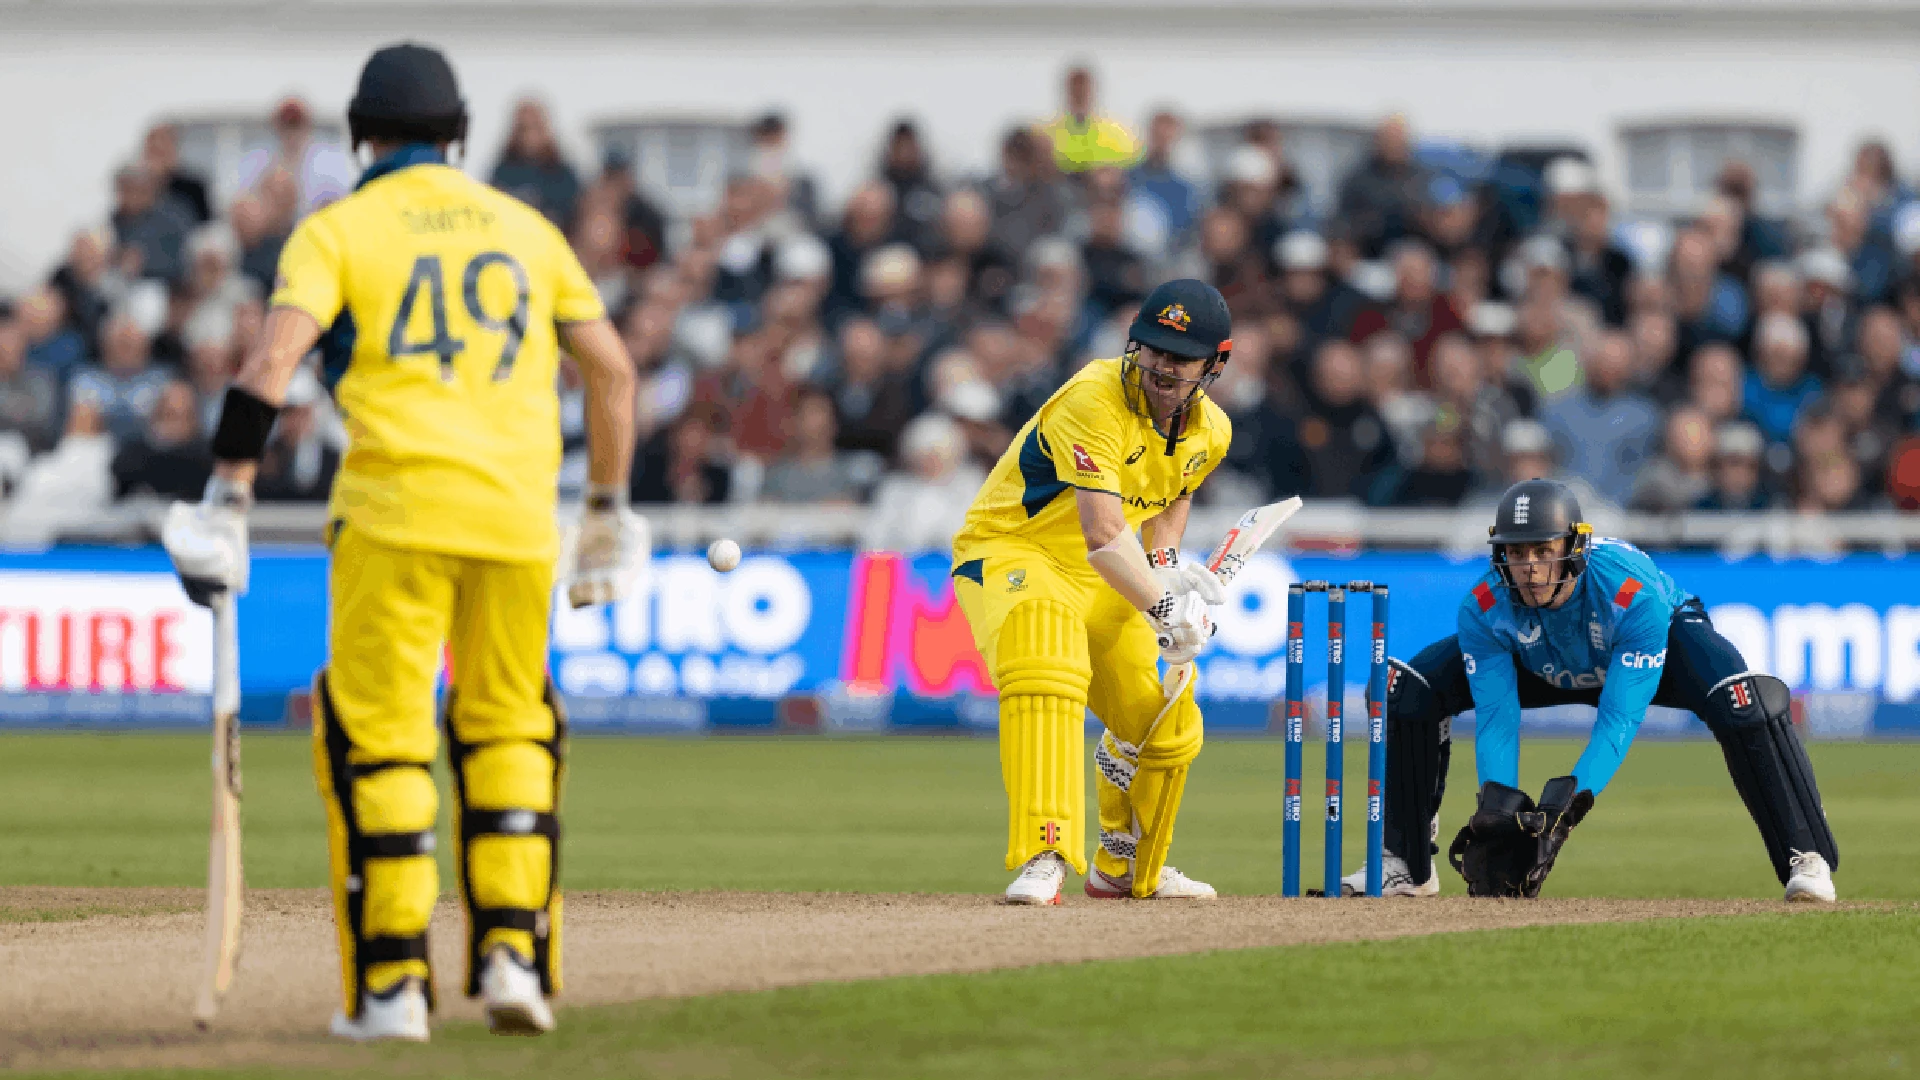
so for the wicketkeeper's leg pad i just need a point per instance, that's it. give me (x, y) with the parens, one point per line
(1752, 717)
(507, 841)
(1042, 671)
(380, 843)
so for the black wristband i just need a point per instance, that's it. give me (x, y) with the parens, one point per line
(245, 423)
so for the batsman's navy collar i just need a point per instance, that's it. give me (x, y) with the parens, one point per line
(408, 155)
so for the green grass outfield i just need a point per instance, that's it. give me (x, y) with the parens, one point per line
(1836, 994)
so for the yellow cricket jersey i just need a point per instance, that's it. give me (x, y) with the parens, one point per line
(447, 294)
(1085, 436)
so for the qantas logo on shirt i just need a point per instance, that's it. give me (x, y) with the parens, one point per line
(1082, 460)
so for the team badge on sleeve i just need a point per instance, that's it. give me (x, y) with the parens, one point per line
(1483, 596)
(1625, 596)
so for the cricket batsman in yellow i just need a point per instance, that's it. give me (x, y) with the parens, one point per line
(439, 306)
(1070, 611)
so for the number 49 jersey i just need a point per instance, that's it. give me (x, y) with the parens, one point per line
(442, 296)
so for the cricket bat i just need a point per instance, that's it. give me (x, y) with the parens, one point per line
(223, 849)
(1254, 529)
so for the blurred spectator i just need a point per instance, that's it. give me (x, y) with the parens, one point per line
(1903, 474)
(170, 459)
(1469, 280)
(1708, 305)
(1869, 259)
(813, 470)
(1080, 137)
(1266, 441)
(1716, 382)
(1826, 304)
(1419, 313)
(1527, 450)
(678, 464)
(744, 262)
(753, 396)
(867, 227)
(86, 283)
(1116, 276)
(1495, 330)
(1656, 348)
(258, 240)
(1605, 430)
(975, 406)
(1442, 477)
(297, 463)
(1547, 357)
(1176, 198)
(1405, 410)
(67, 486)
(160, 156)
(906, 168)
(922, 506)
(1738, 450)
(1027, 201)
(1325, 306)
(212, 288)
(643, 241)
(29, 397)
(1450, 218)
(52, 345)
(144, 222)
(1228, 261)
(1760, 240)
(1829, 484)
(795, 190)
(1887, 363)
(320, 168)
(123, 389)
(1252, 190)
(1380, 197)
(1481, 410)
(1598, 267)
(210, 365)
(532, 169)
(1682, 475)
(966, 223)
(871, 402)
(1779, 386)
(1872, 424)
(1346, 442)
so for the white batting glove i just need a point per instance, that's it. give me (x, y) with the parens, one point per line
(1178, 579)
(608, 550)
(207, 541)
(1181, 626)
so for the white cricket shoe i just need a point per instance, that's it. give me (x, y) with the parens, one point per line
(1174, 885)
(400, 1013)
(1395, 880)
(1039, 882)
(511, 989)
(1812, 881)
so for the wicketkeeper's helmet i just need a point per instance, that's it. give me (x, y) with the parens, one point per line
(1533, 511)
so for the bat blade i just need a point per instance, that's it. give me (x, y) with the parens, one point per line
(224, 876)
(1254, 528)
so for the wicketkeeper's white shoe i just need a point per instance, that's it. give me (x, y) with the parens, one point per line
(511, 989)
(1174, 885)
(1039, 882)
(1394, 880)
(400, 1013)
(1812, 881)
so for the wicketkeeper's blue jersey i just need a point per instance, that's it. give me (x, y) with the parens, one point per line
(1611, 636)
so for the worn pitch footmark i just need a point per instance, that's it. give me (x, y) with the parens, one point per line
(114, 990)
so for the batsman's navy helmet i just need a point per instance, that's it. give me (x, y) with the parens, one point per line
(1535, 511)
(1185, 317)
(407, 93)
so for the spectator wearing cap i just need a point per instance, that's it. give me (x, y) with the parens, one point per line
(320, 168)
(907, 169)
(1738, 481)
(1682, 474)
(123, 389)
(1708, 305)
(29, 396)
(144, 222)
(1027, 199)
(795, 190)
(1266, 445)
(1381, 197)
(1605, 430)
(1251, 188)
(814, 469)
(1597, 267)
(872, 400)
(1450, 220)
(1345, 441)
(297, 464)
(976, 407)
(210, 365)
(1526, 450)
(1418, 312)
(744, 258)
(1779, 386)
(678, 465)
(1116, 275)
(160, 155)
(1325, 306)
(52, 345)
(1869, 258)
(867, 226)
(921, 506)
(1080, 137)
(1827, 304)
(213, 288)
(169, 458)
(1175, 197)
(532, 168)
(1761, 240)
(1495, 330)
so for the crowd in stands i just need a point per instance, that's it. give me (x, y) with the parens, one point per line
(1419, 340)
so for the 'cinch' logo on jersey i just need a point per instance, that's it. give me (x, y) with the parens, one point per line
(1644, 659)
(1082, 460)
(1175, 316)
